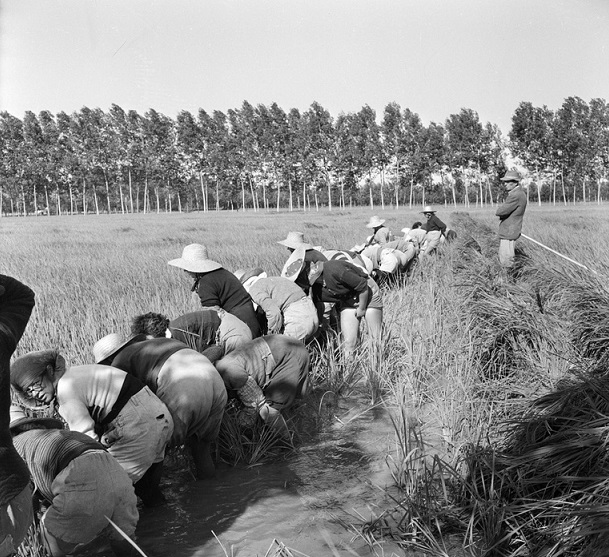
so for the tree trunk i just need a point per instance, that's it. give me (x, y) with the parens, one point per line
(84, 197)
(278, 193)
(304, 196)
(96, 203)
(342, 193)
(316, 202)
(217, 196)
(107, 192)
(242, 193)
(58, 201)
(179, 203)
(397, 184)
(254, 197)
(23, 197)
(584, 189)
(146, 199)
(598, 191)
(158, 200)
(130, 191)
(71, 199)
(411, 188)
(382, 187)
(203, 192)
(370, 189)
(290, 195)
(35, 201)
(562, 183)
(490, 192)
(120, 193)
(46, 195)
(554, 186)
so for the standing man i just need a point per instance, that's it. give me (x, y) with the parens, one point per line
(510, 214)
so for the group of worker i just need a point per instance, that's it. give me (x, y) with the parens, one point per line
(168, 383)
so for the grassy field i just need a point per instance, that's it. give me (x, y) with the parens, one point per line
(468, 351)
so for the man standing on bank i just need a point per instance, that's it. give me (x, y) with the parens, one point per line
(510, 214)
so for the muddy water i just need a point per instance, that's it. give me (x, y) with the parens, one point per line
(299, 500)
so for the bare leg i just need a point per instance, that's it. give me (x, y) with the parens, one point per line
(349, 328)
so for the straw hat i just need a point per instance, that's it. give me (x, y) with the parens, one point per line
(511, 176)
(19, 418)
(295, 240)
(194, 259)
(109, 345)
(375, 222)
(428, 209)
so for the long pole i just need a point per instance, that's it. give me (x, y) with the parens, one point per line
(559, 254)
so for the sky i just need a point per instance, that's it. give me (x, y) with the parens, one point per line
(431, 56)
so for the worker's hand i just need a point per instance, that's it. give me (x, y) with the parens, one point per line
(359, 312)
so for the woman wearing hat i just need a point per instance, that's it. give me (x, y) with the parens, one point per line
(380, 233)
(16, 304)
(295, 243)
(205, 331)
(510, 213)
(106, 404)
(435, 229)
(79, 482)
(186, 381)
(216, 286)
(289, 311)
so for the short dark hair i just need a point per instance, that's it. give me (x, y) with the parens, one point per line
(154, 324)
(417, 224)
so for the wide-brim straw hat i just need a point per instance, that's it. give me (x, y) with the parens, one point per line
(375, 222)
(511, 176)
(19, 419)
(108, 346)
(428, 209)
(295, 240)
(195, 260)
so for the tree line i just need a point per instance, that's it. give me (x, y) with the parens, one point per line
(264, 158)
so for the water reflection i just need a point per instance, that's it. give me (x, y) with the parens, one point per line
(300, 500)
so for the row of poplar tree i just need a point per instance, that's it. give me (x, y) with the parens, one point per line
(262, 157)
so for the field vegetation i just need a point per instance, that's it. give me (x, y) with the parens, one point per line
(497, 383)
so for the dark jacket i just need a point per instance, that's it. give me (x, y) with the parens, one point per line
(16, 303)
(510, 214)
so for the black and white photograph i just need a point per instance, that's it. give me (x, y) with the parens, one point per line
(304, 278)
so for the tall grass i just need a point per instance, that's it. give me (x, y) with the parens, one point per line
(467, 349)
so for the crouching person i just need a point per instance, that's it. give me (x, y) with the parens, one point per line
(211, 331)
(267, 374)
(106, 404)
(289, 311)
(186, 381)
(79, 483)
